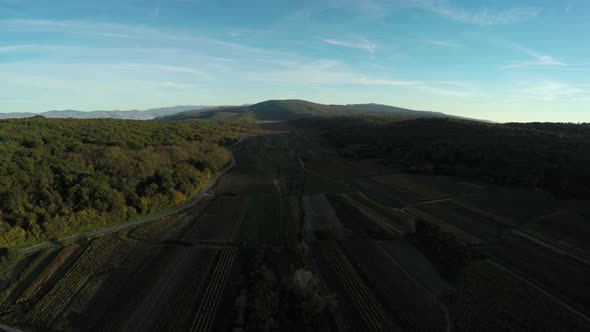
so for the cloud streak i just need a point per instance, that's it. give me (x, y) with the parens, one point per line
(537, 59)
(552, 91)
(362, 45)
(443, 43)
(483, 17)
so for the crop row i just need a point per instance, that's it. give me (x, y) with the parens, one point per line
(205, 315)
(445, 226)
(178, 316)
(289, 219)
(270, 221)
(132, 287)
(415, 308)
(371, 310)
(53, 267)
(103, 253)
(260, 223)
(382, 222)
(33, 265)
(107, 296)
(495, 299)
(248, 232)
(217, 222)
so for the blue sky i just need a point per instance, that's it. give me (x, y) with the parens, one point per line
(497, 59)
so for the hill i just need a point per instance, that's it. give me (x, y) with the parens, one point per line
(293, 109)
(114, 114)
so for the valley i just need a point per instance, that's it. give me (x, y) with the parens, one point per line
(298, 237)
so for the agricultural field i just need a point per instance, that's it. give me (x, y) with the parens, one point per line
(359, 303)
(414, 307)
(297, 238)
(495, 299)
(260, 223)
(477, 224)
(568, 280)
(410, 188)
(321, 221)
(416, 265)
(567, 230)
(218, 222)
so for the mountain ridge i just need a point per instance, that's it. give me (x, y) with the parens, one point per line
(112, 114)
(292, 109)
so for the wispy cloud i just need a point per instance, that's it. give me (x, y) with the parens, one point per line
(443, 43)
(536, 59)
(163, 69)
(75, 27)
(443, 89)
(551, 90)
(483, 17)
(361, 45)
(334, 73)
(122, 31)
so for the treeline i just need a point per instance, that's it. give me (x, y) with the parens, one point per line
(63, 176)
(552, 157)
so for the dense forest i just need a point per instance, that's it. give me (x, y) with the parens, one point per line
(550, 156)
(63, 176)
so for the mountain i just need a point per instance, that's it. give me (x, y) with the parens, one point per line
(292, 109)
(115, 114)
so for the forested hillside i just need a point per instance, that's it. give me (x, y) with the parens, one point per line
(549, 156)
(62, 176)
(292, 109)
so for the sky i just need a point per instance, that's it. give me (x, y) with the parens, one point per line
(498, 60)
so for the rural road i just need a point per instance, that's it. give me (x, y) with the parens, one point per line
(8, 328)
(167, 213)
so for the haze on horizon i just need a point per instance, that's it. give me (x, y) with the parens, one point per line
(496, 60)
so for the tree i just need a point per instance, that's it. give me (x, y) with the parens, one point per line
(311, 304)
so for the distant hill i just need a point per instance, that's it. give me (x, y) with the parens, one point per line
(115, 114)
(295, 109)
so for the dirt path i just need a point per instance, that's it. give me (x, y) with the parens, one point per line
(8, 328)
